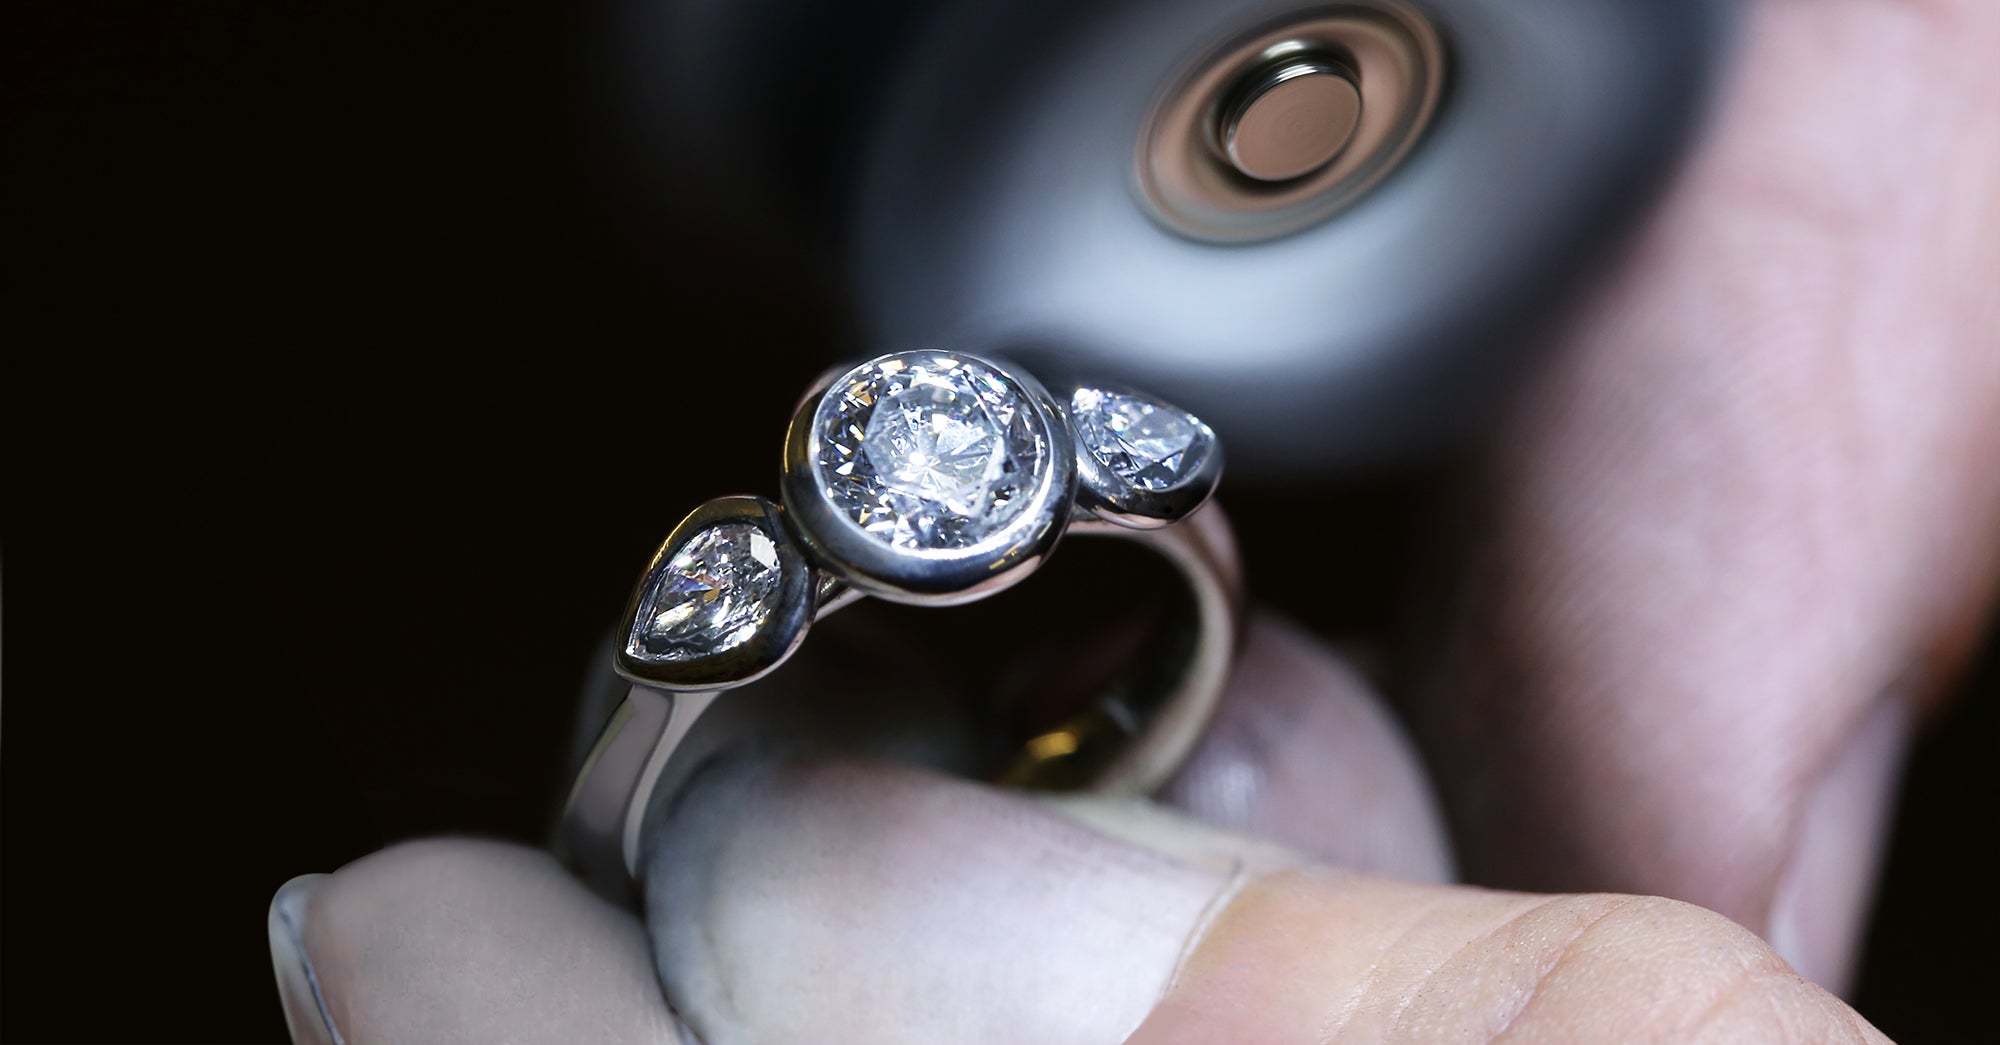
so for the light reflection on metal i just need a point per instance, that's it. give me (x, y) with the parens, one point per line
(1330, 102)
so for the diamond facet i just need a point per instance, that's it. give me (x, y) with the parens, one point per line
(712, 595)
(929, 450)
(1147, 443)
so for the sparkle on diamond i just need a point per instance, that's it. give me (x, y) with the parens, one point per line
(711, 596)
(927, 450)
(1147, 443)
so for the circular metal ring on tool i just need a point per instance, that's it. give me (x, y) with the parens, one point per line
(1285, 127)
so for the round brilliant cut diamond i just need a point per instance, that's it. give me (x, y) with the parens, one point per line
(712, 595)
(929, 450)
(1147, 443)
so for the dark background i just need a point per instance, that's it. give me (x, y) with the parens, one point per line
(346, 383)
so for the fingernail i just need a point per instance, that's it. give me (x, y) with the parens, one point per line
(1821, 904)
(298, 988)
(800, 899)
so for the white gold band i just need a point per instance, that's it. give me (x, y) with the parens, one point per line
(928, 478)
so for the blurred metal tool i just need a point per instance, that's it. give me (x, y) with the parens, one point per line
(1169, 189)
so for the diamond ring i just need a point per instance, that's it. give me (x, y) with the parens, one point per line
(930, 478)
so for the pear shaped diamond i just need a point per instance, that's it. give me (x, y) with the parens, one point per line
(711, 595)
(1145, 442)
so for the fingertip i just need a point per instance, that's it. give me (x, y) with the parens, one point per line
(1309, 956)
(462, 940)
(799, 897)
(306, 1017)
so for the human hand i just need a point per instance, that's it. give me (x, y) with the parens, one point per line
(1727, 544)
(802, 900)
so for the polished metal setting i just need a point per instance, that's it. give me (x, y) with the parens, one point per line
(997, 463)
(936, 576)
(1107, 495)
(1291, 123)
(772, 640)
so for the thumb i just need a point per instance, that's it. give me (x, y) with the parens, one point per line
(800, 899)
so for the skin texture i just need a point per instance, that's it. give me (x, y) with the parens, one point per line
(1719, 557)
(797, 898)
(461, 940)
(1374, 960)
(1745, 518)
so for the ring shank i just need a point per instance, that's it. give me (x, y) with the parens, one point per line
(599, 832)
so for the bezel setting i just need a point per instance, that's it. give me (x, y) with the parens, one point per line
(961, 489)
(1033, 521)
(1109, 495)
(774, 637)
(962, 476)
